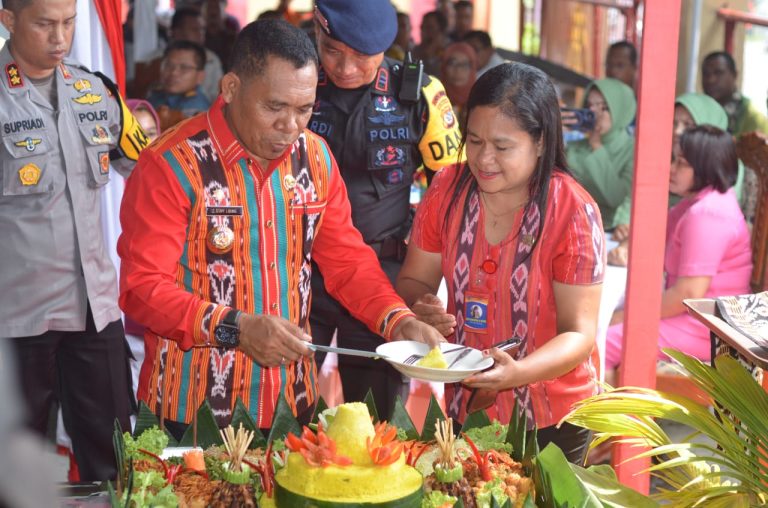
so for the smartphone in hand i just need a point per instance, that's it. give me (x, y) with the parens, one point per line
(579, 119)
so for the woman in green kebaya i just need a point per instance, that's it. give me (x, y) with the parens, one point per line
(603, 162)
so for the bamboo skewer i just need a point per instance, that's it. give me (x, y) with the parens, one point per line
(195, 405)
(445, 441)
(236, 444)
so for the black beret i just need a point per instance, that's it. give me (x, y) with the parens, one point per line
(367, 26)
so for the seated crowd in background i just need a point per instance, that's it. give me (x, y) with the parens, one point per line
(181, 75)
(707, 251)
(601, 158)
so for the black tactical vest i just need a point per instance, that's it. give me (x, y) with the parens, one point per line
(376, 144)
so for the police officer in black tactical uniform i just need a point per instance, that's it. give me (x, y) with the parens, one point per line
(382, 120)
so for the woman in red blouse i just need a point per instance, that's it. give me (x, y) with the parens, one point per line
(520, 244)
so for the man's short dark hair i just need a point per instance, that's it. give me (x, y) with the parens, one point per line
(275, 37)
(480, 36)
(463, 4)
(181, 14)
(629, 47)
(442, 21)
(711, 153)
(16, 5)
(729, 61)
(194, 47)
(271, 14)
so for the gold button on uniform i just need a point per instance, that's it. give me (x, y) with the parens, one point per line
(269, 223)
(272, 265)
(274, 306)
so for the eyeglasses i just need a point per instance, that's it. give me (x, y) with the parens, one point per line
(182, 68)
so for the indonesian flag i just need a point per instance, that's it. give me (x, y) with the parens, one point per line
(98, 45)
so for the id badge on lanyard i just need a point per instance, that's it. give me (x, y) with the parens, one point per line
(476, 312)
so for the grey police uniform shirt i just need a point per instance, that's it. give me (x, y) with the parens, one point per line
(54, 164)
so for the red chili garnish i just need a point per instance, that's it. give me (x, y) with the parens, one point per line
(266, 470)
(414, 450)
(171, 472)
(157, 457)
(481, 459)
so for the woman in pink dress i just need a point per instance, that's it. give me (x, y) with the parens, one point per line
(708, 246)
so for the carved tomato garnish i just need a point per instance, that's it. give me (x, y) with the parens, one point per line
(384, 448)
(317, 449)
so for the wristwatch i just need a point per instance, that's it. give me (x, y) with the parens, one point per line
(227, 332)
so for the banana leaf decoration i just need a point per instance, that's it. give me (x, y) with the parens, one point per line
(557, 483)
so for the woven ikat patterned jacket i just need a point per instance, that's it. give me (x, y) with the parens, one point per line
(196, 178)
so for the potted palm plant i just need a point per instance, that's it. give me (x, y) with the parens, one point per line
(729, 469)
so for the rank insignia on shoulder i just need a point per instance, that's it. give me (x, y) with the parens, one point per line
(82, 85)
(89, 98)
(29, 143)
(65, 72)
(14, 76)
(104, 162)
(29, 174)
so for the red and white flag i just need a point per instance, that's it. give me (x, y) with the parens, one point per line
(98, 45)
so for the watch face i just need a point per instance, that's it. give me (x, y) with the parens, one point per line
(227, 336)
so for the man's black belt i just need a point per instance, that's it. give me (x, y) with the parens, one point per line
(390, 248)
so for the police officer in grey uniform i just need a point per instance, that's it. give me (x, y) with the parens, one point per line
(61, 127)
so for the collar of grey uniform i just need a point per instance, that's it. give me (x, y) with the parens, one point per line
(6, 59)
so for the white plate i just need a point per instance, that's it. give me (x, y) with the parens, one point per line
(397, 351)
(177, 451)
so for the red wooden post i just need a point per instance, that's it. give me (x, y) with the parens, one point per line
(630, 20)
(597, 31)
(731, 17)
(661, 25)
(730, 26)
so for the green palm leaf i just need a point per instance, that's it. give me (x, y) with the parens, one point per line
(731, 472)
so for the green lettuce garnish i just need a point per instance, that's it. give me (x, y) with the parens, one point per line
(150, 489)
(153, 440)
(490, 437)
(492, 489)
(436, 499)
